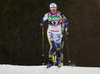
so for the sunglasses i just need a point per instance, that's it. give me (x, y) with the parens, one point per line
(53, 8)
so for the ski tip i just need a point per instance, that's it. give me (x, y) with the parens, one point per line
(48, 66)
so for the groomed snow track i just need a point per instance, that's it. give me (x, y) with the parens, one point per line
(14, 69)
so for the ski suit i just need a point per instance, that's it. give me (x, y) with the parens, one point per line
(54, 33)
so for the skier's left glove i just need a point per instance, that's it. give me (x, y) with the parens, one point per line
(67, 34)
(66, 30)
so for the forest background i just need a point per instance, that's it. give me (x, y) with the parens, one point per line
(21, 34)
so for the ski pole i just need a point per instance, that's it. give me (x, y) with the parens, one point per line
(69, 61)
(43, 45)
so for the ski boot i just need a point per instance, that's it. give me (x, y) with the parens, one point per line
(49, 63)
(48, 66)
(62, 60)
(59, 62)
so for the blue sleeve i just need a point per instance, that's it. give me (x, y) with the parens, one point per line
(65, 21)
(42, 22)
(44, 19)
(66, 24)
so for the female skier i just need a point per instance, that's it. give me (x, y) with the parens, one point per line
(55, 20)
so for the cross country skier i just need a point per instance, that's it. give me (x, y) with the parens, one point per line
(55, 19)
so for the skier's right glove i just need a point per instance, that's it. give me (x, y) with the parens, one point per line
(62, 15)
(42, 25)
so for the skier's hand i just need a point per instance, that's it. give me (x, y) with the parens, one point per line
(62, 15)
(66, 30)
(67, 34)
(42, 25)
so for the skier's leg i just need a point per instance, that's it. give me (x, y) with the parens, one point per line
(55, 58)
(58, 45)
(59, 57)
(51, 53)
(52, 48)
(62, 57)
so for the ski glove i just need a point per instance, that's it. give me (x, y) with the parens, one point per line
(67, 34)
(66, 30)
(62, 15)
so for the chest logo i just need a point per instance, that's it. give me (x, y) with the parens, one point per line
(54, 18)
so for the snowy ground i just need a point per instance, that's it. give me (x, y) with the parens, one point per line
(10, 69)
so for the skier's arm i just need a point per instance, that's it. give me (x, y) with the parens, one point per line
(64, 18)
(43, 20)
(66, 24)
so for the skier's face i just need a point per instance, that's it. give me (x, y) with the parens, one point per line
(53, 10)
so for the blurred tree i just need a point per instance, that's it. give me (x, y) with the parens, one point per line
(20, 31)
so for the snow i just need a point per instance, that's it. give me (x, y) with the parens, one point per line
(14, 69)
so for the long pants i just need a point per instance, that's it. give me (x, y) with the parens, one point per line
(54, 38)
